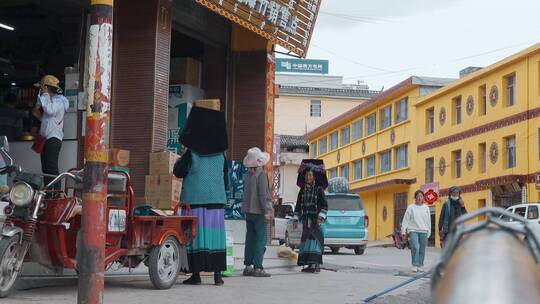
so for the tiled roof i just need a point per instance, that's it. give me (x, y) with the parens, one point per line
(378, 99)
(331, 92)
(292, 141)
(535, 49)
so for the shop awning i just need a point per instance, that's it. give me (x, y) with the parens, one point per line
(385, 184)
(288, 23)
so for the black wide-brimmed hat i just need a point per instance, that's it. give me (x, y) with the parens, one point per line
(317, 167)
(205, 131)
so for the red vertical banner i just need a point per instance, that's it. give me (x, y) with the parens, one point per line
(270, 94)
(269, 125)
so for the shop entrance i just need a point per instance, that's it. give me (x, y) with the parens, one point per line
(39, 38)
(507, 195)
(400, 206)
(431, 240)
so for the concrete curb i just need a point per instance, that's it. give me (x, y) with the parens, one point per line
(380, 244)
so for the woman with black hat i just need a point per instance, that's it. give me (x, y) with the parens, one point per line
(311, 208)
(203, 167)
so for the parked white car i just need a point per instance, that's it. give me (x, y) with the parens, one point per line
(531, 212)
(284, 214)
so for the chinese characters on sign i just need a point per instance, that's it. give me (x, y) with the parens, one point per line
(288, 23)
(313, 66)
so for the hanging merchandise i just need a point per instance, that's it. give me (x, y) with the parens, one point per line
(235, 192)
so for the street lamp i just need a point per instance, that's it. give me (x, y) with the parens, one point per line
(7, 27)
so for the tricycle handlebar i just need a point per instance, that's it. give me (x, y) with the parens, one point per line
(6, 154)
(76, 177)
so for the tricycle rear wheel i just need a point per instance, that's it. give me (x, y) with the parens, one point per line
(10, 251)
(164, 263)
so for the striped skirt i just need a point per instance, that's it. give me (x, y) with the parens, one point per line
(311, 245)
(207, 251)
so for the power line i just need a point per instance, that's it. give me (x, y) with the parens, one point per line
(350, 60)
(357, 18)
(385, 72)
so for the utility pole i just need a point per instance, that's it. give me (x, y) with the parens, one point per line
(91, 242)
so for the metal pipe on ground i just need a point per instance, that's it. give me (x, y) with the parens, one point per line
(489, 266)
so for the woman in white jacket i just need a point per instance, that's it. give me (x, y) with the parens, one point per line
(417, 224)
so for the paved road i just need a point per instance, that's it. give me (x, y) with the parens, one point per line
(347, 278)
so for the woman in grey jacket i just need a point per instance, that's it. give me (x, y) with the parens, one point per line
(257, 205)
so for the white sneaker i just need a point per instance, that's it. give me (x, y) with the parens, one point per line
(420, 269)
(414, 269)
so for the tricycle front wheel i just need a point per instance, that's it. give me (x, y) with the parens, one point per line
(10, 251)
(164, 264)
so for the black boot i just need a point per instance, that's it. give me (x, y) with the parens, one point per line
(218, 279)
(194, 280)
(309, 269)
(317, 268)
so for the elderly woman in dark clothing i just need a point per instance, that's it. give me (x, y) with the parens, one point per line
(311, 208)
(453, 208)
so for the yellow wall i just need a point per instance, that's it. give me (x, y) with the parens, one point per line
(376, 200)
(375, 143)
(526, 67)
(292, 113)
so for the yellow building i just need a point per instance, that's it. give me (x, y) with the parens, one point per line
(371, 145)
(300, 108)
(482, 133)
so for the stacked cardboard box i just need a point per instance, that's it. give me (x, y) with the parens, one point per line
(162, 162)
(185, 71)
(212, 104)
(119, 160)
(162, 188)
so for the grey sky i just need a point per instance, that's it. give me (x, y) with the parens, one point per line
(384, 41)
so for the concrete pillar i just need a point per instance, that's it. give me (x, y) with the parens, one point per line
(247, 110)
(141, 81)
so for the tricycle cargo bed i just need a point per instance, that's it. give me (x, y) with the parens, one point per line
(153, 230)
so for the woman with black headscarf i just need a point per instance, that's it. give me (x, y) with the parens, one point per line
(204, 170)
(311, 208)
(453, 208)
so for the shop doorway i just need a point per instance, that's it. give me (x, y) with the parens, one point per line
(400, 206)
(507, 195)
(431, 240)
(45, 37)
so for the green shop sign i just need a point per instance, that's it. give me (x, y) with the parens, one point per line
(313, 66)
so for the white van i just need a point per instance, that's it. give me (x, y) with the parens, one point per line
(531, 212)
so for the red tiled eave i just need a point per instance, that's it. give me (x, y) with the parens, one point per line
(364, 107)
(510, 120)
(392, 182)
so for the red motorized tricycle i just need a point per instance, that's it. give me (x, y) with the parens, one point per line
(47, 229)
